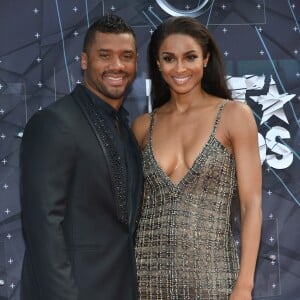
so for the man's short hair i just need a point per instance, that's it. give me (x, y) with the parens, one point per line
(109, 23)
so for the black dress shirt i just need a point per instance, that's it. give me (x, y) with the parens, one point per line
(124, 141)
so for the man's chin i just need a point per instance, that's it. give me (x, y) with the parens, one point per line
(117, 93)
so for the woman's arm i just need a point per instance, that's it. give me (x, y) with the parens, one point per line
(244, 140)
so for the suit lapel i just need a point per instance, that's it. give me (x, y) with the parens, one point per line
(115, 166)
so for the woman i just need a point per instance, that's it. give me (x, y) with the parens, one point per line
(200, 156)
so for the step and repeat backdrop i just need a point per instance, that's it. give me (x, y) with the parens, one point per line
(40, 46)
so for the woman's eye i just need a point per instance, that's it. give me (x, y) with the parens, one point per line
(191, 57)
(168, 58)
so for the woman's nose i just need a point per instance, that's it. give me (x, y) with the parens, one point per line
(180, 66)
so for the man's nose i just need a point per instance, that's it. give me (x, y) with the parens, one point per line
(116, 63)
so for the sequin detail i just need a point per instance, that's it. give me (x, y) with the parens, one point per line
(184, 247)
(117, 169)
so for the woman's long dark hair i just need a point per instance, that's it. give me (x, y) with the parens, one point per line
(213, 81)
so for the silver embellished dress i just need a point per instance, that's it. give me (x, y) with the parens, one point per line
(184, 247)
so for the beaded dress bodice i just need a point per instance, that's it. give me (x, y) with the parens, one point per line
(184, 246)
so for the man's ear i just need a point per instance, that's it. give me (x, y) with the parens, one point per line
(84, 61)
(136, 64)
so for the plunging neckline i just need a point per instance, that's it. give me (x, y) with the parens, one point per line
(199, 155)
(166, 176)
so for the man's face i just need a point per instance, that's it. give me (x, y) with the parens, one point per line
(110, 66)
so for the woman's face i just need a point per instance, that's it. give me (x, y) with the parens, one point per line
(181, 62)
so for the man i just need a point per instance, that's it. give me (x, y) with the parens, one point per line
(81, 180)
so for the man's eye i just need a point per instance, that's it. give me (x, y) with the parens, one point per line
(104, 56)
(128, 56)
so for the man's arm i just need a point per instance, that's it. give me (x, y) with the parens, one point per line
(47, 156)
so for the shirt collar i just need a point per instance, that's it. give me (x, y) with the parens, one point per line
(108, 109)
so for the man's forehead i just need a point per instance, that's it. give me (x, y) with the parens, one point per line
(111, 41)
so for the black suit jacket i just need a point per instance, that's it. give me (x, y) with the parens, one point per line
(79, 244)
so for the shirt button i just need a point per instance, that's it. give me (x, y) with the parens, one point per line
(2, 282)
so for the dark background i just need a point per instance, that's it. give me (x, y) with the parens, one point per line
(260, 42)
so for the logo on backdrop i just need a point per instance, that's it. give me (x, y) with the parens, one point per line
(199, 9)
(272, 105)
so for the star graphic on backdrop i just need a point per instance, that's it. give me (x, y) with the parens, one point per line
(240, 85)
(272, 103)
(254, 82)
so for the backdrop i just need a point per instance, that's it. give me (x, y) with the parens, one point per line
(259, 39)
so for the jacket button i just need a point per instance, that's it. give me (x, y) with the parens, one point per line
(2, 282)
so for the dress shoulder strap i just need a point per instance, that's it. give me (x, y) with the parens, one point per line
(151, 126)
(218, 117)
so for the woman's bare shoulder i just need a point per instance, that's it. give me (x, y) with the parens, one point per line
(239, 117)
(238, 108)
(140, 128)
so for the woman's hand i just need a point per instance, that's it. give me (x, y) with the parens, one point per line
(240, 293)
